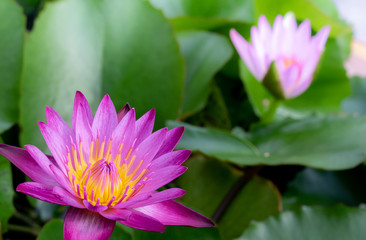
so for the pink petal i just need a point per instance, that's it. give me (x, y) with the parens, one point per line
(27, 164)
(161, 177)
(147, 150)
(80, 99)
(124, 133)
(105, 120)
(133, 200)
(242, 46)
(320, 38)
(116, 214)
(67, 198)
(144, 126)
(302, 41)
(264, 28)
(301, 88)
(42, 160)
(171, 158)
(83, 131)
(260, 49)
(96, 208)
(172, 213)
(277, 35)
(41, 192)
(141, 221)
(56, 144)
(288, 37)
(123, 112)
(171, 140)
(61, 179)
(82, 224)
(157, 197)
(57, 123)
(290, 77)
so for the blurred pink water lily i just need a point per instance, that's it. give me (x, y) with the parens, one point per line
(294, 52)
(107, 169)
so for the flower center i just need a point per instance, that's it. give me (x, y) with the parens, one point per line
(288, 62)
(104, 178)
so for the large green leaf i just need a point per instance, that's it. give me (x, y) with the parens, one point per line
(330, 86)
(12, 27)
(214, 143)
(52, 230)
(204, 53)
(6, 192)
(320, 12)
(327, 143)
(206, 14)
(319, 187)
(142, 63)
(63, 54)
(179, 233)
(316, 223)
(235, 10)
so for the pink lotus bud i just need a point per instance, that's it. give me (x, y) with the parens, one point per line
(290, 49)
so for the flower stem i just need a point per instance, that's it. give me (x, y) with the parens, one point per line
(249, 173)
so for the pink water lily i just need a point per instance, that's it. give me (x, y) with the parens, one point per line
(107, 169)
(293, 50)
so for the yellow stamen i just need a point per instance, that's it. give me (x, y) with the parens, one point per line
(99, 176)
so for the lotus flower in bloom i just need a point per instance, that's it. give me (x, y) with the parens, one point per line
(107, 169)
(294, 52)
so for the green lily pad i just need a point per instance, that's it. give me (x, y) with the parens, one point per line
(142, 63)
(52, 230)
(204, 53)
(63, 54)
(336, 223)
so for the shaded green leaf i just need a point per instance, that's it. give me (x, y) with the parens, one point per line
(142, 63)
(235, 10)
(206, 14)
(52, 230)
(120, 233)
(215, 114)
(12, 28)
(179, 233)
(317, 187)
(205, 53)
(256, 201)
(336, 223)
(6, 192)
(63, 54)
